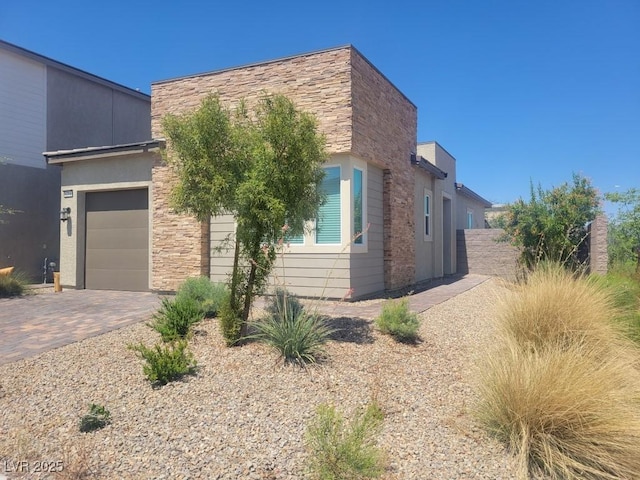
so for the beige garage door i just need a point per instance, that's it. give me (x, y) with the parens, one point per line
(117, 241)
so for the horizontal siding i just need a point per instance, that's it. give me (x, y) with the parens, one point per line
(22, 111)
(367, 269)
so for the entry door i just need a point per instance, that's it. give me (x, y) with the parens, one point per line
(117, 240)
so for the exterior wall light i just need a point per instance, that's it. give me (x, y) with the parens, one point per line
(64, 214)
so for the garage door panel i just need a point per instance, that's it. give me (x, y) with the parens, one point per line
(119, 259)
(117, 240)
(109, 279)
(118, 219)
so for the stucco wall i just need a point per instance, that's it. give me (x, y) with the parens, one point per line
(113, 173)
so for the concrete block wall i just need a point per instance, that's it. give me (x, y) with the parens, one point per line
(479, 251)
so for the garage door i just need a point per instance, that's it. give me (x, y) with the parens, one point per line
(117, 240)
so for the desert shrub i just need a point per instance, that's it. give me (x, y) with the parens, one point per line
(299, 336)
(568, 413)
(230, 324)
(625, 291)
(12, 285)
(555, 305)
(208, 295)
(398, 321)
(561, 387)
(345, 452)
(175, 317)
(167, 362)
(97, 418)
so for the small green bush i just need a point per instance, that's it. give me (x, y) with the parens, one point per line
(175, 317)
(345, 452)
(97, 418)
(209, 295)
(297, 335)
(167, 362)
(230, 324)
(12, 285)
(625, 291)
(398, 321)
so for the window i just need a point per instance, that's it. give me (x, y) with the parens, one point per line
(427, 215)
(469, 218)
(329, 218)
(358, 208)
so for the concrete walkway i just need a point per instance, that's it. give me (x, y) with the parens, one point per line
(36, 323)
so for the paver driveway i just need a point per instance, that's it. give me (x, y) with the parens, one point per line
(36, 323)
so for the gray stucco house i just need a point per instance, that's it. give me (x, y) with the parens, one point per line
(46, 105)
(123, 234)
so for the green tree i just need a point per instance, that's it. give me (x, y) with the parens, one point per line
(624, 228)
(263, 167)
(553, 224)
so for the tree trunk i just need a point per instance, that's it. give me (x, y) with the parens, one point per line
(248, 296)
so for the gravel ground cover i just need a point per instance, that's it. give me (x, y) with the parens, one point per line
(244, 414)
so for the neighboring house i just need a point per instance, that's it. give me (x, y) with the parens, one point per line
(47, 105)
(375, 177)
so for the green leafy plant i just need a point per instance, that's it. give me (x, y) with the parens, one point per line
(207, 294)
(12, 285)
(298, 336)
(97, 418)
(552, 225)
(264, 167)
(175, 317)
(398, 321)
(338, 451)
(624, 230)
(165, 363)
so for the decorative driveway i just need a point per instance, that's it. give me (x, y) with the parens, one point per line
(33, 324)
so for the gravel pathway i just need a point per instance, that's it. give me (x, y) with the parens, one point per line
(243, 416)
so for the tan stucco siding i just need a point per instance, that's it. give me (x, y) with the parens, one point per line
(80, 177)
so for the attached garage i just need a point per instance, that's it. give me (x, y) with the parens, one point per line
(107, 198)
(117, 240)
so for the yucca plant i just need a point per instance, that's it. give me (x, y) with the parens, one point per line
(299, 336)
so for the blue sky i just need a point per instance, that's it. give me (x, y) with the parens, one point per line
(515, 90)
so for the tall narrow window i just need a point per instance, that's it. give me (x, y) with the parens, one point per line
(469, 218)
(329, 219)
(427, 216)
(358, 211)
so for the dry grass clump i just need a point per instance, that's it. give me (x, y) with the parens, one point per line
(557, 306)
(562, 386)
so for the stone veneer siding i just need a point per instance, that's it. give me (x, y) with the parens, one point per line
(358, 111)
(385, 127)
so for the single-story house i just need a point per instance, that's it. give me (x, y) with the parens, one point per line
(123, 234)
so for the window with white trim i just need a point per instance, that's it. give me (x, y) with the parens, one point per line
(427, 215)
(358, 207)
(469, 218)
(329, 221)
